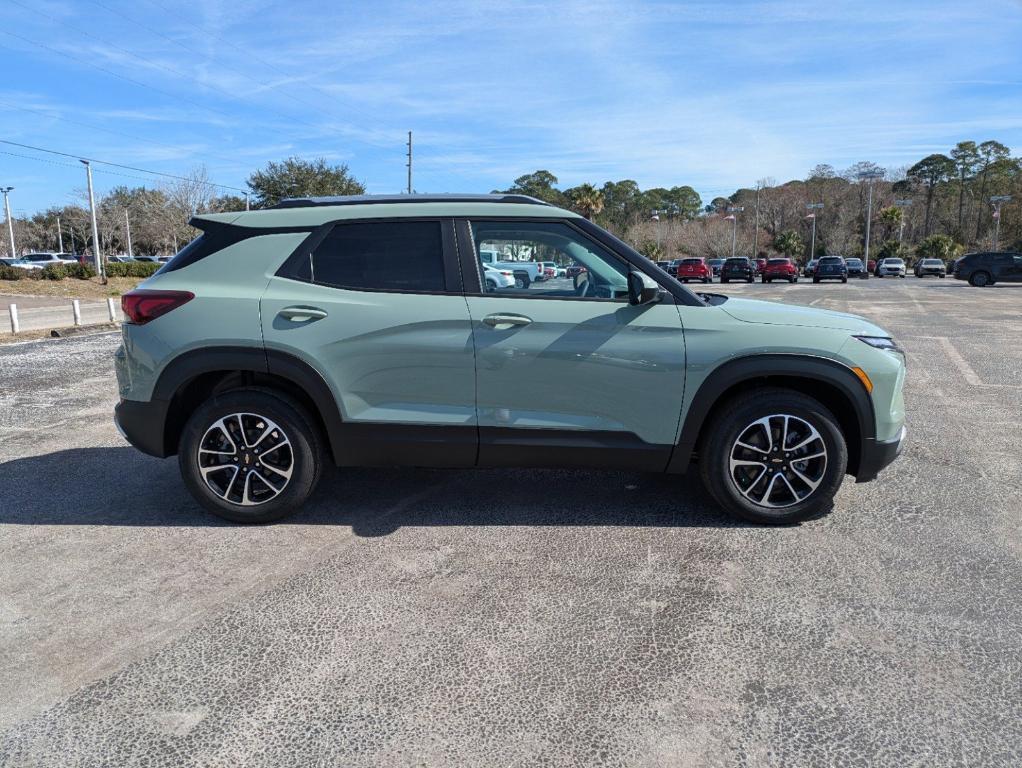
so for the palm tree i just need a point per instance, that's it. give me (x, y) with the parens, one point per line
(587, 199)
(789, 243)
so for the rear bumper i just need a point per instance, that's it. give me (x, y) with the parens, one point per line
(877, 454)
(142, 424)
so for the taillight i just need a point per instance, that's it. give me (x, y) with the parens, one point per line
(143, 305)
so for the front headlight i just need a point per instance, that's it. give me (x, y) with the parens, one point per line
(881, 342)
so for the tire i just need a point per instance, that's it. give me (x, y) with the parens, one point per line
(980, 279)
(902, 275)
(750, 279)
(490, 285)
(763, 279)
(724, 280)
(737, 419)
(941, 276)
(791, 280)
(522, 280)
(707, 280)
(215, 423)
(844, 279)
(816, 279)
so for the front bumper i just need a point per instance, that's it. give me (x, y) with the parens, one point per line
(877, 454)
(142, 423)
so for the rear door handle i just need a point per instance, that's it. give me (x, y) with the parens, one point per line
(503, 322)
(301, 314)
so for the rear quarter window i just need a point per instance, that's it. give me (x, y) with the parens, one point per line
(379, 256)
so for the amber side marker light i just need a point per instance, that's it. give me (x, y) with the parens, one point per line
(864, 378)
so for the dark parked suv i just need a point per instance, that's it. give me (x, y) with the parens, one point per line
(737, 268)
(831, 268)
(988, 268)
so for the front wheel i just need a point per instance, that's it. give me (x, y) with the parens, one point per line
(941, 276)
(707, 279)
(250, 455)
(724, 280)
(773, 456)
(844, 279)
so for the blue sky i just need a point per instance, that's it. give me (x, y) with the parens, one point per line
(711, 94)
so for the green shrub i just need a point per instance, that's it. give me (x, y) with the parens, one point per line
(132, 269)
(11, 273)
(80, 271)
(53, 272)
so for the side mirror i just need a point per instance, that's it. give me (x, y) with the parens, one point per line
(642, 289)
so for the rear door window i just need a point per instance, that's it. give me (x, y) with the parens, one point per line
(379, 256)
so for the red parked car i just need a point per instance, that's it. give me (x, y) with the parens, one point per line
(780, 269)
(694, 269)
(760, 266)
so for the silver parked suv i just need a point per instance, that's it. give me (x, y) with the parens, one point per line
(363, 331)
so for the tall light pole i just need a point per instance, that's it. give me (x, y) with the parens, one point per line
(755, 232)
(997, 200)
(60, 237)
(95, 228)
(246, 201)
(734, 211)
(903, 204)
(813, 208)
(869, 176)
(656, 217)
(409, 162)
(127, 230)
(10, 221)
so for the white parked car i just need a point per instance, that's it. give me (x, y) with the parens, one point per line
(20, 263)
(43, 258)
(498, 278)
(890, 267)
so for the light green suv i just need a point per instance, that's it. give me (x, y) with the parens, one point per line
(360, 330)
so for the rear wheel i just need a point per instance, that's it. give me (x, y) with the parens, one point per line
(980, 279)
(774, 456)
(250, 456)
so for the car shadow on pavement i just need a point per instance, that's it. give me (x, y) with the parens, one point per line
(118, 486)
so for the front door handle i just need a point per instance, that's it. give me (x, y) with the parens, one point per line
(301, 314)
(503, 322)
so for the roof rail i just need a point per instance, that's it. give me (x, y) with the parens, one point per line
(313, 202)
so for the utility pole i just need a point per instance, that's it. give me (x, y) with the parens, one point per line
(903, 204)
(60, 237)
(246, 202)
(127, 229)
(755, 234)
(10, 221)
(813, 208)
(409, 162)
(869, 176)
(95, 228)
(734, 211)
(997, 200)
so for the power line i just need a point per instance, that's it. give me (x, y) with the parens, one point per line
(119, 165)
(52, 116)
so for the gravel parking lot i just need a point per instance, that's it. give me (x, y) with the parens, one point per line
(428, 617)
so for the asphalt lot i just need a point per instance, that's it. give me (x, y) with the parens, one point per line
(427, 617)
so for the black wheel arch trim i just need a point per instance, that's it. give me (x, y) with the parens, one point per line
(751, 368)
(189, 365)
